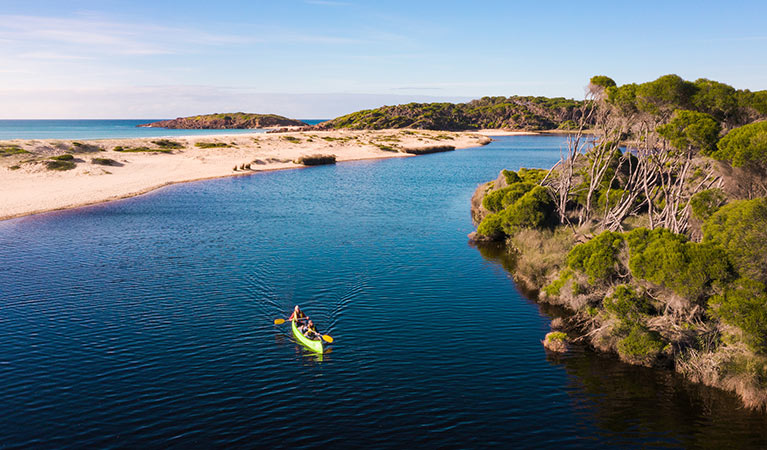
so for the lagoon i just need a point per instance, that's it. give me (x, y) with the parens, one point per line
(149, 322)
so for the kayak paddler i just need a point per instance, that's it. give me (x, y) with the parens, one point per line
(297, 314)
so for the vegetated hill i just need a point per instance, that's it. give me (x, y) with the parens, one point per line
(658, 254)
(523, 113)
(227, 120)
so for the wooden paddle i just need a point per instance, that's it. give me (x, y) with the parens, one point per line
(325, 337)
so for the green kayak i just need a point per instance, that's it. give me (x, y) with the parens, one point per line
(311, 343)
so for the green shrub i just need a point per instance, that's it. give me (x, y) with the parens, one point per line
(690, 129)
(555, 287)
(85, 148)
(213, 145)
(428, 149)
(641, 345)
(568, 125)
(316, 160)
(167, 144)
(602, 80)
(63, 158)
(532, 175)
(626, 304)
(291, 139)
(557, 336)
(502, 198)
(669, 260)
(492, 227)
(142, 150)
(744, 146)
(740, 228)
(744, 305)
(8, 150)
(597, 258)
(705, 203)
(511, 176)
(535, 209)
(15, 167)
(60, 165)
(104, 161)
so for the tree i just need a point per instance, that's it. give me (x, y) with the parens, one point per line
(718, 99)
(688, 130)
(741, 229)
(664, 95)
(744, 146)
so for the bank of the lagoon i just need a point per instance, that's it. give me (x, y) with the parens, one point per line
(46, 175)
(101, 129)
(149, 322)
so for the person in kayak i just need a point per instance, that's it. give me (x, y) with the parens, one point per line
(309, 330)
(297, 314)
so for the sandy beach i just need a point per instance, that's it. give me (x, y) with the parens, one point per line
(112, 169)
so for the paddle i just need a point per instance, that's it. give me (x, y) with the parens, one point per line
(325, 337)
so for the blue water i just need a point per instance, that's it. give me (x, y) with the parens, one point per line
(148, 322)
(99, 129)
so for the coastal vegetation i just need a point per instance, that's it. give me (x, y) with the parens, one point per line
(142, 149)
(426, 149)
(517, 112)
(214, 145)
(168, 144)
(237, 120)
(652, 234)
(8, 150)
(316, 160)
(59, 164)
(82, 147)
(105, 162)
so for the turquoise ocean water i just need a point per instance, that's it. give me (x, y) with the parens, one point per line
(99, 129)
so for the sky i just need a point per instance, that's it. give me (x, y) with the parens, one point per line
(323, 58)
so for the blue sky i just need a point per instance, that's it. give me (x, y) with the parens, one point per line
(317, 58)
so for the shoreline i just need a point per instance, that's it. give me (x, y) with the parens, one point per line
(29, 188)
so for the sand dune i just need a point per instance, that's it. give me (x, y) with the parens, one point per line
(28, 186)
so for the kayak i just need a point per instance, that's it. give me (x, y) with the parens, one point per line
(311, 343)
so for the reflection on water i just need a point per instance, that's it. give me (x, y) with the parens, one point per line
(629, 401)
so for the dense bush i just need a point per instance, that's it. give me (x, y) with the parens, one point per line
(670, 92)
(665, 94)
(626, 304)
(502, 198)
(740, 228)
(691, 130)
(535, 209)
(744, 305)
(63, 158)
(424, 150)
(105, 162)
(492, 227)
(669, 260)
(316, 160)
(707, 202)
(603, 81)
(745, 146)
(640, 346)
(597, 258)
(60, 165)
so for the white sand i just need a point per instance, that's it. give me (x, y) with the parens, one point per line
(33, 188)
